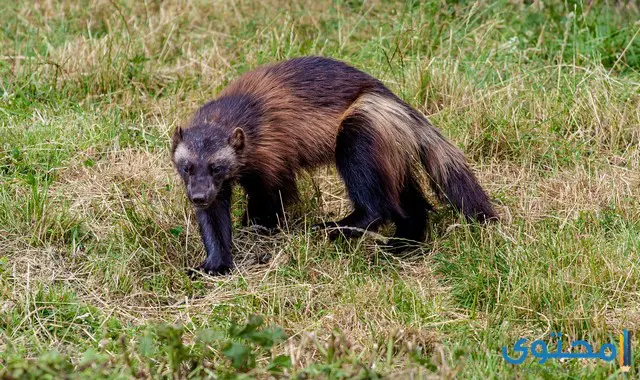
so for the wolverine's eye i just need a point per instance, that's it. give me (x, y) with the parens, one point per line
(186, 169)
(216, 169)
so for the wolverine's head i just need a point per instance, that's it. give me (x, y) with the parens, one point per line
(206, 157)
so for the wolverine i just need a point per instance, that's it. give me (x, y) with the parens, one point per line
(279, 119)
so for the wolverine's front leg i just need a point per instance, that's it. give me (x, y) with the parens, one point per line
(266, 202)
(215, 230)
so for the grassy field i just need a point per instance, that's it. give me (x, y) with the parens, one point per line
(96, 234)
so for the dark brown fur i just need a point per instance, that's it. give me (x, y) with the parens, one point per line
(312, 111)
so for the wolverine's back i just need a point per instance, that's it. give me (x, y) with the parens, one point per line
(301, 103)
(317, 81)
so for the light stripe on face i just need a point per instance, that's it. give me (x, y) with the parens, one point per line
(225, 154)
(182, 153)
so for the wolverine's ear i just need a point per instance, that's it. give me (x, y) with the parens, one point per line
(236, 140)
(177, 137)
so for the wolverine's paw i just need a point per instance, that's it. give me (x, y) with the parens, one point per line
(331, 229)
(334, 230)
(204, 269)
(266, 225)
(401, 247)
(323, 226)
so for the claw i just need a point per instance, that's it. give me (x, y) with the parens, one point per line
(202, 269)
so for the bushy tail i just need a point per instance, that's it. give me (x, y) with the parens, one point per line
(450, 176)
(399, 125)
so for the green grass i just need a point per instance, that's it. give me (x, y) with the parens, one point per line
(95, 232)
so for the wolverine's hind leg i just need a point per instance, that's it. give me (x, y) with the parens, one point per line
(265, 202)
(368, 187)
(412, 226)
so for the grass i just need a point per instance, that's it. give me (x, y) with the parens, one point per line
(95, 232)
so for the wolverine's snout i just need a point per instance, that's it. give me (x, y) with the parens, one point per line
(202, 195)
(199, 198)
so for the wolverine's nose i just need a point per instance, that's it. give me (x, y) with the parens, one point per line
(199, 198)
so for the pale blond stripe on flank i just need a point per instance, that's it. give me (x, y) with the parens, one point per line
(394, 122)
